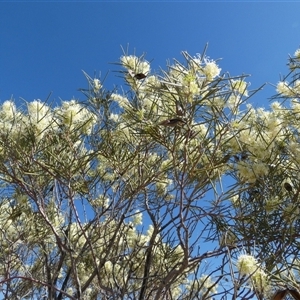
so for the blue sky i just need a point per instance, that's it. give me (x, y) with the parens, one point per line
(45, 45)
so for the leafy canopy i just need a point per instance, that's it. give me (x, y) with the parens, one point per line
(174, 187)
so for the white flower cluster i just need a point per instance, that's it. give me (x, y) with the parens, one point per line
(40, 118)
(248, 265)
(259, 134)
(74, 115)
(135, 64)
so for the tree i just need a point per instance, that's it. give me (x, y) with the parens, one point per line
(175, 188)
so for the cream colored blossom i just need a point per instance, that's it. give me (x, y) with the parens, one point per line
(162, 185)
(40, 117)
(233, 103)
(294, 149)
(122, 101)
(247, 264)
(8, 110)
(195, 64)
(152, 82)
(10, 119)
(178, 72)
(101, 202)
(114, 117)
(150, 231)
(260, 281)
(135, 64)
(166, 164)
(96, 85)
(129, 61)
(73, 114)
(297, 54)
(276, 106)
(260, 169)
(296, 87)
(246, 173)
(137, 218)
(235, 200)
(144, 239)
(216, 102)
(239, 86)
(272, 204)
(190, 85)
(200, 129)
(131, 236)
(211, 70)
(207, 283)
(284, 89)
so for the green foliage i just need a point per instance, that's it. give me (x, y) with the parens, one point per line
(137, 195)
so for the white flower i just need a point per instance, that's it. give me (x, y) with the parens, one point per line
(40, 117)
(297, 54)
(235, 200)
(114, 117)
(284, 89)
(259, 281)
(239, 86)
(233, 103)
(135, 64)
(211, 70)
(207, 283)
(260, 169)
(250, 172)
(101, 201)
(247, 264)
(137, 218)
(296, 87)
(122, 101)
(97, 85)
(276, 106)
(72, 113)
(9, 110)
(129, 61)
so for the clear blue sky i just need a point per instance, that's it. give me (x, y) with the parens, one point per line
(45, 45)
